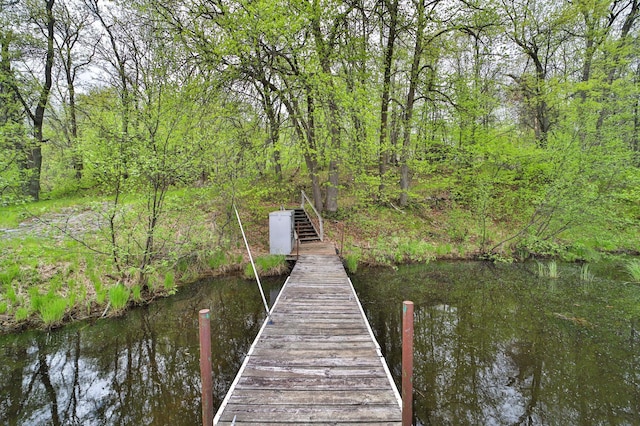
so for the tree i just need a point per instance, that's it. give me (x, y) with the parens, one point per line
(42, 16)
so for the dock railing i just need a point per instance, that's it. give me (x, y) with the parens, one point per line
(320, 226)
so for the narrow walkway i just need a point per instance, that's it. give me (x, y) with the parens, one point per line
(316, 362)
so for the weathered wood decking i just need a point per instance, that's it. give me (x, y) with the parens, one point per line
(316, 362)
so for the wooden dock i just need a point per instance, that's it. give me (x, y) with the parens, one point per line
(315, 361)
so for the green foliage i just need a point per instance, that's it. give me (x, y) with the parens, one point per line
(169, 281)
(217, 259)
(633, 269)
(553, 269)
(52, 309)
(9, 274)
(119, 296)
(136, 291)
(267, 265)
(585, 273)
(3, 307)
(21, 314)
(549, 270)
(351, 261)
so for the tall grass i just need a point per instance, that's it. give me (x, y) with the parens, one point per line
(549, 270)
(633, 268)
(52, 309)
(351, 262)
(585, 274)
(118, 296)
(267, 265)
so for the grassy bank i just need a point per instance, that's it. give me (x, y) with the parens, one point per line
(79, 258)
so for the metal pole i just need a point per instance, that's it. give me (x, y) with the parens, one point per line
(205, 367)
(407, 363)
(253, 265)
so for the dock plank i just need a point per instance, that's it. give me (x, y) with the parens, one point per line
(315, 361)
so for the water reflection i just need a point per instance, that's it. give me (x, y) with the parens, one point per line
(140, 369)
(497, 345)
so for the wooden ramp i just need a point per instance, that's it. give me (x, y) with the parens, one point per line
(316, 362)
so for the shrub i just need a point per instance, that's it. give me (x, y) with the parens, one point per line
(118, 296)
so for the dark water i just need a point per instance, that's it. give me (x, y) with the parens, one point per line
(494, 345)
(140, 369)
(498, 345)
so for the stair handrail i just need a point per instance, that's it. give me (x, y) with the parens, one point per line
(305, 198)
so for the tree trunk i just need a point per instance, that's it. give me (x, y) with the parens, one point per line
(408, 109)
(383, 160)
(34, 156)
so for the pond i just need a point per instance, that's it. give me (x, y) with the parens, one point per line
(502, 345)
(140, 369)
(494, 344)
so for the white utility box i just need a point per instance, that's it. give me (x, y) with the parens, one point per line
(281, 232)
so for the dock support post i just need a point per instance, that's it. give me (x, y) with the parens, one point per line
(205, 367)
(407, 363)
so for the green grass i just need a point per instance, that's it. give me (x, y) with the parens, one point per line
(119, 296)
(3, 307)
(351, 261)
(52, 310)
(22, 313)
(585, 274)
(9, 274)
(217, 260)
(137, 293)
(633, 269)
(169, 281)
(553, 269)
(267, 265)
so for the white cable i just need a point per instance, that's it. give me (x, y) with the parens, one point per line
(255, 272)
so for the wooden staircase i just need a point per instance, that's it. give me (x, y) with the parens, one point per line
(304, 227)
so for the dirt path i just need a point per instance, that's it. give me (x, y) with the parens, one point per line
(69, 221)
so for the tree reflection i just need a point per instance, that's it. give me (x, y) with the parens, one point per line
(498, 345)
(140, 369)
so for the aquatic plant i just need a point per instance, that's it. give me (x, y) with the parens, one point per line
(553, 269)
(118, 296)
(585, 274)
(633, 268)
